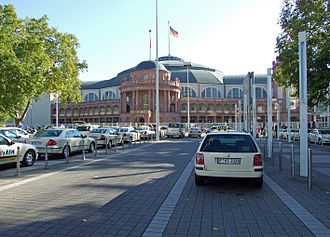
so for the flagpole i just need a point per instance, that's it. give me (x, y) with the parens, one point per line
(169, 45)
(157, 77)
(150, 45)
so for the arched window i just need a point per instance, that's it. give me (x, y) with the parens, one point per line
(184, 92)
(109, 95)
(211, 92)
(91, 97)
(261, 92)
(235, 93)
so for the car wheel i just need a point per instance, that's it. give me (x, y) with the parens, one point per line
(258, 182)
(66, 151)
(91, 147)
(29, 158)
(199, 180)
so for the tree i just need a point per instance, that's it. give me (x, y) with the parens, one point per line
(35, 60)
(311, 16)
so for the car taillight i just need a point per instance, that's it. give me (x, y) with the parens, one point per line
(146, 132)
(257, 160)
(102, 137)
(51, 142)
(199, 159)
(125, 135)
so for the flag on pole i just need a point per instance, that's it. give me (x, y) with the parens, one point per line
(174, 33)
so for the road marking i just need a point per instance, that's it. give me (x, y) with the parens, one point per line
(304, 215)
(163, 215)
(19, 183)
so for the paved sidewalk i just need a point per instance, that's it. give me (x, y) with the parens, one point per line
(316, 201)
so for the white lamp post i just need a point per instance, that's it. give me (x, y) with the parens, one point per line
(188, 64)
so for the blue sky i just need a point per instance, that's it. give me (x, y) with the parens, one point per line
(233, 36)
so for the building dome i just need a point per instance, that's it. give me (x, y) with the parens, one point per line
(148, 65)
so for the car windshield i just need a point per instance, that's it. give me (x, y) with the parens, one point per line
(123, 130)
(141, 128)
(194, 129)
(50, 133)
(99, 130)
(228, 143)
(83, 128)
(324, 131)
(174, 125)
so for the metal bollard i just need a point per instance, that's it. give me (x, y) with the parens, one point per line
(280, 157)
(66, 153)
(273, 159)
(106, 145)
(18, 166)
(46, 157)
(95, 148)
(140, 139)
(309, 169)
(130, 141)
(265, 143)
(116, 141)
(83, 149)
(292, 162)
(123, 143)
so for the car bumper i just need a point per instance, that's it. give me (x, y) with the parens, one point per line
(50, 150)
(230, 174)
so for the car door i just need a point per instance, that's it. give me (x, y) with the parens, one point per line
(8, 151)
(77, 139)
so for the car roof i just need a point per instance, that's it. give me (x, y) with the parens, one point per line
(228, 132)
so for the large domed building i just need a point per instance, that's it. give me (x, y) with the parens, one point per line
(130, 96)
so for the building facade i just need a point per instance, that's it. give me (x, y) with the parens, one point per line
(130, 97)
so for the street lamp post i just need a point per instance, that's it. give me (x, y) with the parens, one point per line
(188, 64)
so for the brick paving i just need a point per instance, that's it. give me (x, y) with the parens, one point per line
(121, 194)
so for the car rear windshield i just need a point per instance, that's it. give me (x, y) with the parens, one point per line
(228, 143)
(83, 129)
(99, 130)
(123, 130)
(50, 133)
(174, 125)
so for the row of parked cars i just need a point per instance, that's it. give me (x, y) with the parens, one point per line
(320, 136)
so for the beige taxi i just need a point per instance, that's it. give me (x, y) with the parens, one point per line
(229, 154)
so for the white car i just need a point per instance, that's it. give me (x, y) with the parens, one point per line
(19, 132)
(145, 131)
(129, 134)
(229, 154)
(320, 136)
(85, 129)
(8, 152)
(11, 135)
(105, 136)
(175, 130)
(61, 141)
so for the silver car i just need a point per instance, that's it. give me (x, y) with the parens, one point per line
(105, 136)
(8, 152)
(61, 141)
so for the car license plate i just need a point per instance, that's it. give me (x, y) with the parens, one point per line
(229, 161)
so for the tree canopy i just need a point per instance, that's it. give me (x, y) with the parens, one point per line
(311, 16)
(35, 59)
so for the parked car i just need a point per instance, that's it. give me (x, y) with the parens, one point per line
(175, 130)
(195, 132)
(85, 129)
(145, 131)
(105, 136)
(61, 141)
(229, 154)
(320, 136)
(11, 135)
(18, 131)
(8, 152)
(129, 134)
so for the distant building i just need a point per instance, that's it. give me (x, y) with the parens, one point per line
(130, 96)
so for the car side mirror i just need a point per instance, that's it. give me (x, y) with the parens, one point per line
(11, 143)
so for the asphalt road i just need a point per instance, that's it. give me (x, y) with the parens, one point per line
(145, 189)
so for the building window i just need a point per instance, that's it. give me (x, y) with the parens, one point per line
(184, 92)
(261, 92)
(109, 95)
(235, 93)
(90, 97)
(183, 108)
(109, 110)
(145, 102)
(211, 92)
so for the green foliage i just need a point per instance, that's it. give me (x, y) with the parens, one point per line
(311, 16)
(35, 59)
